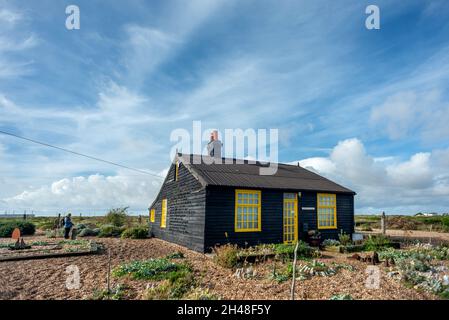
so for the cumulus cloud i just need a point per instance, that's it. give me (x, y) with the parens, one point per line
(420, 183)
(94, 192)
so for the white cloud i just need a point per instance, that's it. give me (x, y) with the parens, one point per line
(417, 113)
(95, 192)
(12, 41)
(420, 183)
(8, 45)
(9, 17)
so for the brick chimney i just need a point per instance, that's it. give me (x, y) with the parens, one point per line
(214, 146)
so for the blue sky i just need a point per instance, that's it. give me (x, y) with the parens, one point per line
(367, 108)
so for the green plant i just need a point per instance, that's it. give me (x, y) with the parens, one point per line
(341, 297)
(445, 221)
(135, 233)
(345, 239)
(330, 243)
(181, 283)
(201, 294)
(40, 243)
(287, 251)
(376, 243)
(117, 217)
(117, 293)
(226, 255)
(175, 255)
(366, 227)
(314, 268)
(153, 269)
(54, 233)
(88, 232)
(7, 228)
(45, 225)
(107, 231)
(159, 292)
(176, 286)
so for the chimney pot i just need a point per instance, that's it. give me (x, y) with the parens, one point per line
(214, 146)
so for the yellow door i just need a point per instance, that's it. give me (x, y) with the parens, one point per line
(290, 219)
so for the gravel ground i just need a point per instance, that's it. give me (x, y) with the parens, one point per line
(425, 235)
(45, 279)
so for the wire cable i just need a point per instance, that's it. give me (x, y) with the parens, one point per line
(79, 154)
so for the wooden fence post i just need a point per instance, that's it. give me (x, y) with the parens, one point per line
(292, 294)
(109, 272)
(383, 223)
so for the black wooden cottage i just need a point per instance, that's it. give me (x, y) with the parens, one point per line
(201, 205)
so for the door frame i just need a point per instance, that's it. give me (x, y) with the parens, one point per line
(295, 219)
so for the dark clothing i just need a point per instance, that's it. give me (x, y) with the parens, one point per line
(67, 227)
(66, 233)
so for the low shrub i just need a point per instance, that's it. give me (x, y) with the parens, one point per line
(226, 255)
(117, 217)
(313, 268)
(201, 294)
(175, 255)
(7, 228)
(117, 293)
(365, 227)
(54, 233)
(45, 225)
(153, 269)
(176, 286)
(376, 243)
(345, 239)
(107, 231)
(330, 243)
(135, 233)
(159, 292)
(341, 297)
(88, 232)
(287, 251)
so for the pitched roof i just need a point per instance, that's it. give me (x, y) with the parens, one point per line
(245, 174)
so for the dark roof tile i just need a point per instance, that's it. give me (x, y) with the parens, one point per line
(246, 175)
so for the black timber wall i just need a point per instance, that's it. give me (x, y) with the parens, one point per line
(307, 219)
(185, 210)
(220, 213)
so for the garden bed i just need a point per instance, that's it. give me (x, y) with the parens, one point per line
(46, 250)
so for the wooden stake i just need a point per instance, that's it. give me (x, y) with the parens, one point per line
(292, 294)
(109, 272)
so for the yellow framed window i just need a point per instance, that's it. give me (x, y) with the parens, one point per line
(152, 215)
(327, 211)
(176, 170)
(164, 214)
(248, 210)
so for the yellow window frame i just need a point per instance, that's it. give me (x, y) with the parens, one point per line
(164, 214)
(152, 215)
(327, 205)
(248, 205)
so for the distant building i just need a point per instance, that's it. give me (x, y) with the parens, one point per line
(429, 214)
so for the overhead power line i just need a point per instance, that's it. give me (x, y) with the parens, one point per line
(79, 154)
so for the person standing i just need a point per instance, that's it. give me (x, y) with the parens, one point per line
(67, 225)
